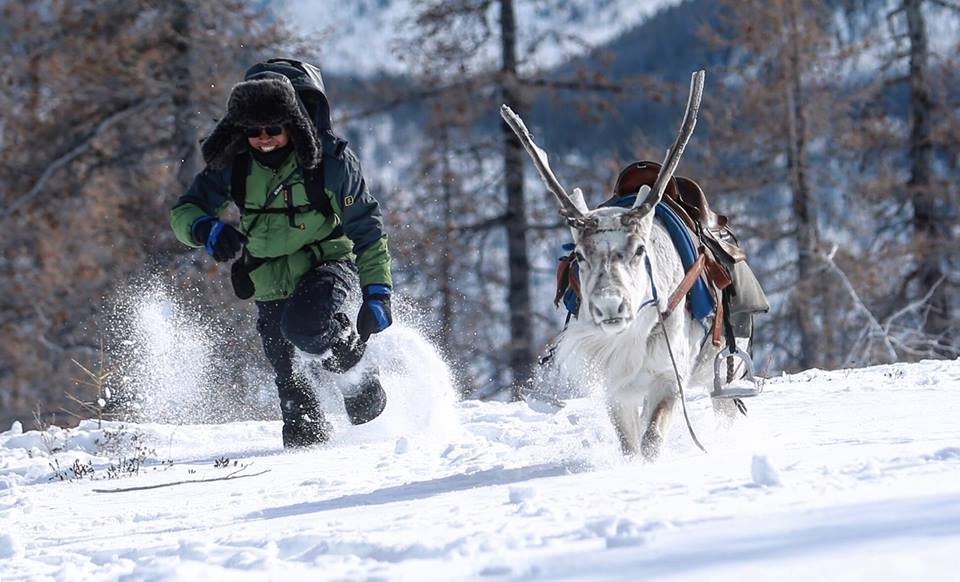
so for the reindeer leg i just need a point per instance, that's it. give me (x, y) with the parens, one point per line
(657, 428)
(625, 416)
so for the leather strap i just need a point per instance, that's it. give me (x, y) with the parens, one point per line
(718, 325)
(716, 273)
(563, 278)
(685, 284)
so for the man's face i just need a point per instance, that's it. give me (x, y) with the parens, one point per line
(265, 142)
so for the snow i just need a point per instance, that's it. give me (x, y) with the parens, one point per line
(363, 37)
(847, 474)
(763, 471)
(10, 546)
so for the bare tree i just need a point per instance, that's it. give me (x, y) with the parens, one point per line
(804, 203)
(105, 105)
(911, 175)
(469, 58)
(931, 231)
(768, 104)
(522, 350)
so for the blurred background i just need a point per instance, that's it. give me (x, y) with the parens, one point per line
(828, 134)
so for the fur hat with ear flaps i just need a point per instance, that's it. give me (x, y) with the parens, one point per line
(260, 101)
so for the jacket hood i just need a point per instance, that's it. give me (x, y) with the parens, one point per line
(308, 83)
(262, 99)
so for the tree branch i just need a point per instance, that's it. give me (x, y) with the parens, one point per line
(574, 85)
(547, 226)
(913, 305)
(482, 225)
(891, 26)
(827, 258)
(947, 4)
(73, 154)
(233, 475)
(417, 95)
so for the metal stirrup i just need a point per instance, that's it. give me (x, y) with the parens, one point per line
(719, 391)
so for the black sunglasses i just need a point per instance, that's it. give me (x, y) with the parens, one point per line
(272, 130)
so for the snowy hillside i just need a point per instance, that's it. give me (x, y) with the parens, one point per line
(360, 37)
(840, 475)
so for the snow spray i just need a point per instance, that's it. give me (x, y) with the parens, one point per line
(421, 396)
(173, 369)
(174, 363)
(164, 358)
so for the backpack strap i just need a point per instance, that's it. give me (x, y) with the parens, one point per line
(315, 184)
(238, 180)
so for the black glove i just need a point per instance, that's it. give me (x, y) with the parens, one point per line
(221, 240)
(375, 313)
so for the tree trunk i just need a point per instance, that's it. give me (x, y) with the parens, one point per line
(804, 206)
(928, 228)
(446, 260)
(185, 122)
(521, 332)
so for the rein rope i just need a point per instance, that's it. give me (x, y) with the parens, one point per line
(666, 338)
(683, 399)
(653, 288)
(675, 298)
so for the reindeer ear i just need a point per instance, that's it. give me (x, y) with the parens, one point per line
(578, 200)
(642, 194)
(645, 201)
(642, 206)
(640, 216)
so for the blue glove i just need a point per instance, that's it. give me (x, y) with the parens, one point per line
(375, 313)
(221, 240)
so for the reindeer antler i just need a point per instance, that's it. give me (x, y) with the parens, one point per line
(568, 208)
(673, 154)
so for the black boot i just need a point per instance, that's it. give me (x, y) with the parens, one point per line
(304, 424)
(347, 349)
(368, 401)
(305, 431)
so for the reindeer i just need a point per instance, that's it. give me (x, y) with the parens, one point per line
(628, 267)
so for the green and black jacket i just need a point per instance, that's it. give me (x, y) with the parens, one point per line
(296, 237)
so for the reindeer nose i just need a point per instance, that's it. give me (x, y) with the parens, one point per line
(608, 306)
(621, 309)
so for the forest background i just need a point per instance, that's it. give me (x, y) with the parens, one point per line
(829, 134)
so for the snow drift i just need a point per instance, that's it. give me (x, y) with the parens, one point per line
(847, 475)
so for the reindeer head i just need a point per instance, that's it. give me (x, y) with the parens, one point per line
(612, 242)
(611, 246)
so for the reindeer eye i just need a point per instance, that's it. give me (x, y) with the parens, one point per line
(640, 250)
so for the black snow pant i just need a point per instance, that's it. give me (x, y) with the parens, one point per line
(314, 320)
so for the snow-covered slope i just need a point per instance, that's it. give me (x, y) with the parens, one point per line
(361, 37)
(841, 475)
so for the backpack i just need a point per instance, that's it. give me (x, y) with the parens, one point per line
(308, 83)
